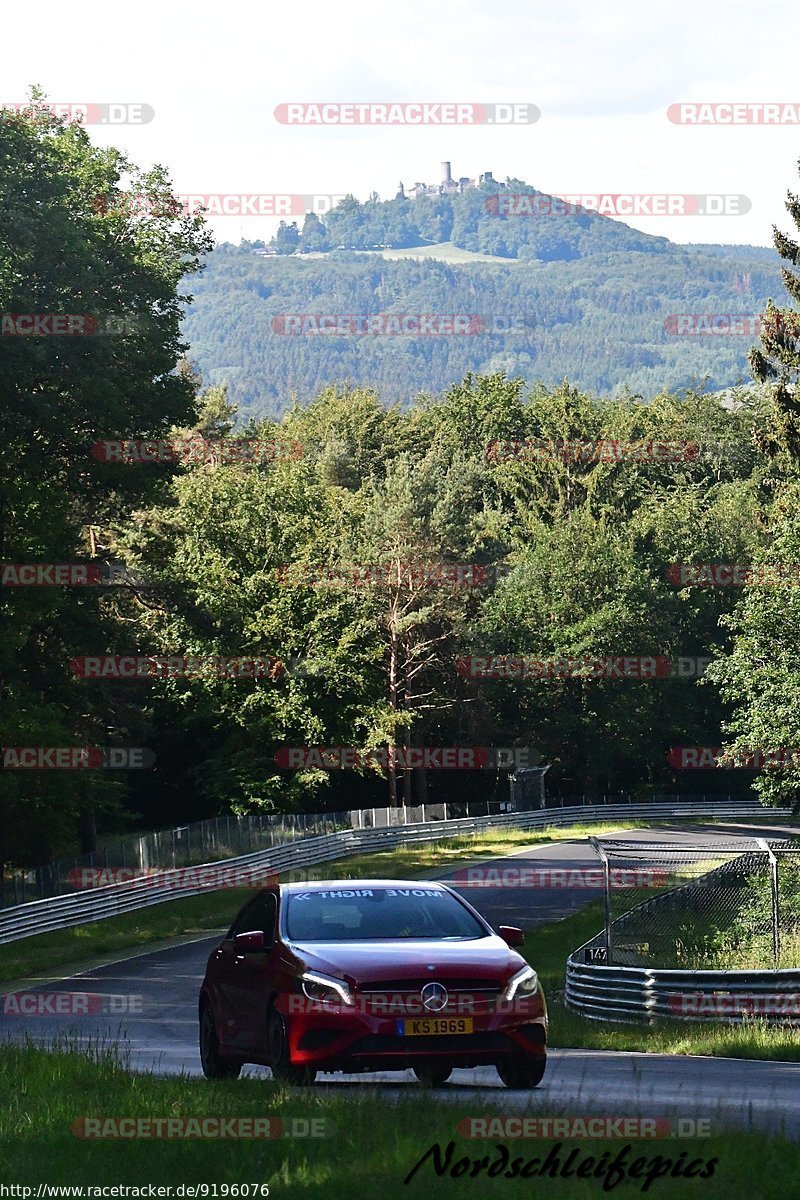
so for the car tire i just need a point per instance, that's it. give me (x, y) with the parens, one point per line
(213, 1064)
(432, 1075)
(521, 1076)
(283, 1070)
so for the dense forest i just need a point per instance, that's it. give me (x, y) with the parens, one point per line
(606, 319)
(570, 554)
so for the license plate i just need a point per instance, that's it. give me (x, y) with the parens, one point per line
(429, 1026)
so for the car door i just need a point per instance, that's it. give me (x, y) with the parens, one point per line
(253, 973)
(231, 980)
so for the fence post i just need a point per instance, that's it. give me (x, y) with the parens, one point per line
(773, 873)
(598, 849)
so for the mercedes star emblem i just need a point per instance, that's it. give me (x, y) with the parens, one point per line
(434, 997)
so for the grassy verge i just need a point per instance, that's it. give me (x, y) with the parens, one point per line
(373, 1143)
(548, 947)
(47, 952)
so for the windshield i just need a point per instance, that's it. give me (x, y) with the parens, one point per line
(378, 914)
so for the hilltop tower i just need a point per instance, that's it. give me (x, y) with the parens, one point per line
(446, 176)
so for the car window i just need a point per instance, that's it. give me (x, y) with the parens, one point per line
(259, 914)
(367, 914)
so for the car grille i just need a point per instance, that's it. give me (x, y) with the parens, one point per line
(452, 985)
(398, 996)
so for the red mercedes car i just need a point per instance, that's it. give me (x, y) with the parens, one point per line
(369, 975)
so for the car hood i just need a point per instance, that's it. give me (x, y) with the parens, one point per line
(373, 962)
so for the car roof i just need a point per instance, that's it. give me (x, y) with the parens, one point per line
(325, 885)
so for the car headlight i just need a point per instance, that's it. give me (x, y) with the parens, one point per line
(325, 989)
(522, 985)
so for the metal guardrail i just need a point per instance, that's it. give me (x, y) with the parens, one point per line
(636, 995)
(95, 904)
(632, 995)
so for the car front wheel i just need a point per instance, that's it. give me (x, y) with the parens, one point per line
(213, 1064)
(521, 1076)
(283, 1069)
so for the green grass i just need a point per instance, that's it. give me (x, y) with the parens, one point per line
(374, 1142)
(447, 252)
(48, 952)
(441, 252)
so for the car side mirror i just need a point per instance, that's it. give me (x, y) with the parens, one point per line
(510, 934)
(249, 943)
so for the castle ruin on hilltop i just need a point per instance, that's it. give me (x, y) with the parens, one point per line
(448, 186)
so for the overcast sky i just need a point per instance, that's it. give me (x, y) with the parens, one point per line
(603, 77)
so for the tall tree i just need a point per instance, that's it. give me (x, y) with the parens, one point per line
(778, 360)
(82, 232)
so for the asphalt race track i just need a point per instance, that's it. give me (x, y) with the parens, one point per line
(161, 1034)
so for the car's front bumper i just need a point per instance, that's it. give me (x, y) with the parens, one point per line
(342, 1038)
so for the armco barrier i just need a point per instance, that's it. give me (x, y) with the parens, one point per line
(636, 995)
(632, 995)
(95, 904)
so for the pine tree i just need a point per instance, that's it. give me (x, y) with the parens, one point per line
(779, 358)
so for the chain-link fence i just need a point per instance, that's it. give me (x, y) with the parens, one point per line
(726, 904)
